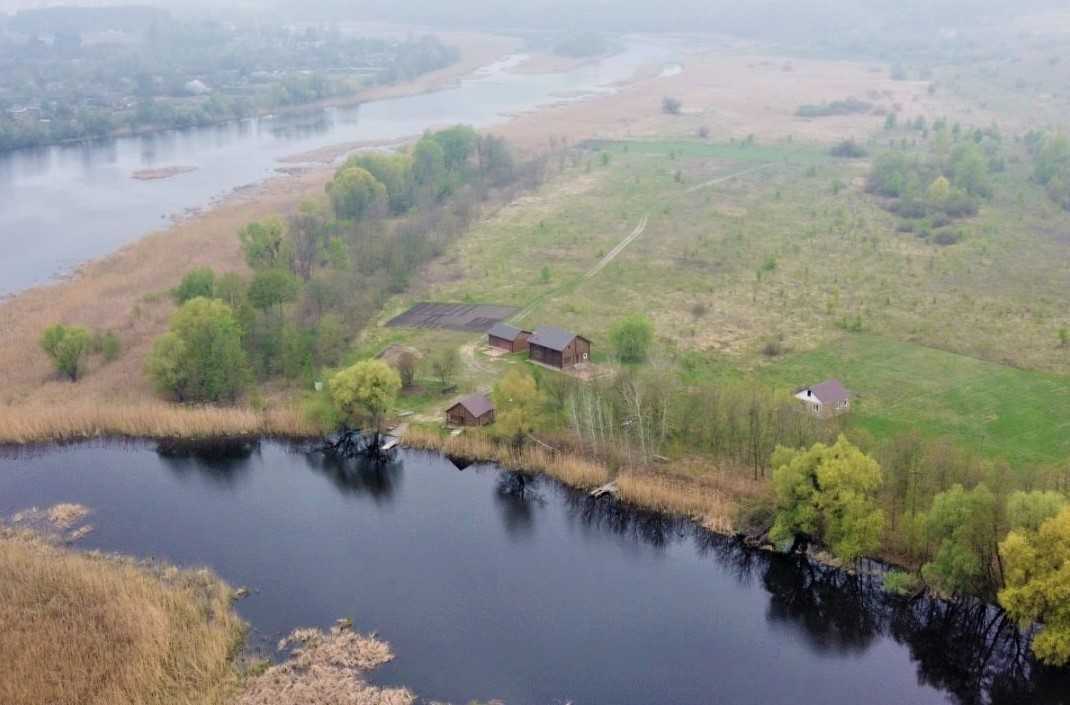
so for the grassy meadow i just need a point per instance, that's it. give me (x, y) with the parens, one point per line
(758, 258)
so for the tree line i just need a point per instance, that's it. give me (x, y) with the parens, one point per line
(319, 275)
(173, 73)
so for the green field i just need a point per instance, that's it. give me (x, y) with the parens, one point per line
(995, 410)
(751, 243)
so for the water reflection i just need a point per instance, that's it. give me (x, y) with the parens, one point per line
(377, 478)
(517, 497)
(224, 462)
(969, 649)
(604, 514)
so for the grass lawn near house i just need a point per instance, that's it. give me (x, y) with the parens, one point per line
(999, 411)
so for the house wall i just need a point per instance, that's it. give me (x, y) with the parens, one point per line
(460, 416)
(500, 343)
(546, 356)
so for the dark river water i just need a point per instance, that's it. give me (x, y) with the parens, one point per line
(61, 206)
(536, 596)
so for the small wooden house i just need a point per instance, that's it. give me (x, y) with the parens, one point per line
(558, 348)
(506, 337)
(829, 398)
(472, 410)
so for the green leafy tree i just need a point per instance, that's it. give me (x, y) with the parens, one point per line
(429, 167)
(264, 244)
(355, 193)
(201, 358)
(365, 392)
(969, 170)
(939, 189)
(330, 340)
(828, 493)
(271, 288)
(68, 346)
(964, 526)
(1037, 572)
(631, 338)
(518, 405)
(197, 282)
(1028, 510)
(458, 144)
(393, 171)
(230, 289)
(445, 365)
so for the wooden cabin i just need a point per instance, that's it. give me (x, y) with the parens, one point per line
(558, 348)
(472, 410)
(506, 337)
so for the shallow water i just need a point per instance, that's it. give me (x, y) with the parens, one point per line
(61, 206)
(535, 596)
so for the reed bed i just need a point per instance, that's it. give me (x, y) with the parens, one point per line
(708, 495)
(571, 470)
(86, 420)
(83, 629)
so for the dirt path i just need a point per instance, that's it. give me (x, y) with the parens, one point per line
(591, 273)
(639, 230)
(722, 179)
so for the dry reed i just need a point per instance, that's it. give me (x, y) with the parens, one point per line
(90, 630)
(85, 420)
(326, 668)
(706, 494)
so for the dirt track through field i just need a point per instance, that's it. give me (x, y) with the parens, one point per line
(722, 179)
(639, 230)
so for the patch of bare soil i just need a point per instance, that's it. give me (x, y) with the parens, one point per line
(162, 173)
(326, 668)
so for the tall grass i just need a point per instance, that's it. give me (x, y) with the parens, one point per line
(84, 629)
(85, 420)
(710, 497)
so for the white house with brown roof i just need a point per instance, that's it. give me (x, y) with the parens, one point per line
(825, 399)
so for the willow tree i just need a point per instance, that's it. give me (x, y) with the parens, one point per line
(365, 392)
(828, 494)
(1037, 573)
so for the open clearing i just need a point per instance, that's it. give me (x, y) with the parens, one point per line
(781, 244)
(993, 409)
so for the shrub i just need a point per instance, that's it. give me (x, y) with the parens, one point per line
(68, 346)
(631, 338)
(197, 282)
(848, 149)
(201, 358)
(671, 106)
(901, 583)
(106, 343)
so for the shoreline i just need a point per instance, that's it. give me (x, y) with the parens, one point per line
(429, 82)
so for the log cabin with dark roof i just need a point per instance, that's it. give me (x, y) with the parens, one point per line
(557, 347)
(472, 410)
(509, 338)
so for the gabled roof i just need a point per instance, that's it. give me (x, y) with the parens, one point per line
(553, 338)
(506, 331)
(830, 391)
(476, 404)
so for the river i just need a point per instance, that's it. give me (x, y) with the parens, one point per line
(536, 597)
(63, 205)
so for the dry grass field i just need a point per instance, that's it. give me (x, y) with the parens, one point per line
(89, 630)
